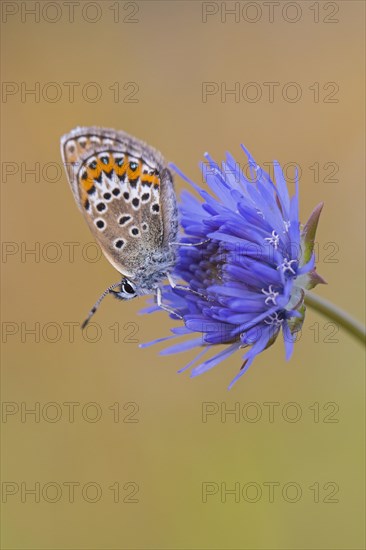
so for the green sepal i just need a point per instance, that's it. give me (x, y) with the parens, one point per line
(295, 323)
(296, 303)
(308, 234)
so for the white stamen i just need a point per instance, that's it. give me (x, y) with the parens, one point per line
(274, 320)
(271, 295)
(286, 266)
(287, 225)
(274, 240)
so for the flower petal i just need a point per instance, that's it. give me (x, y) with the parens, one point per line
(213, 361)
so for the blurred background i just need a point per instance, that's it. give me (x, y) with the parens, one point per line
(120, 451)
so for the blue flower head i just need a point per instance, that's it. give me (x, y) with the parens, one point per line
(246, 261)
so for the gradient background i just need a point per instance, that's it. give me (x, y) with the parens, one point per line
(170, 452)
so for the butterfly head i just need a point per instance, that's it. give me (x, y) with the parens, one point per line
(128, 290)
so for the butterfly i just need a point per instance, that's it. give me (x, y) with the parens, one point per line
(125, 191)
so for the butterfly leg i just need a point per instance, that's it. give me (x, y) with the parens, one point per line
(190, 244)
(163, 306)
(173, 284)
(97, 303)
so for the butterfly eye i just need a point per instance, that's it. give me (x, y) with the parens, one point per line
(128, 288)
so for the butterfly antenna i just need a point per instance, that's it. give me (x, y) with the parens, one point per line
(97, 304)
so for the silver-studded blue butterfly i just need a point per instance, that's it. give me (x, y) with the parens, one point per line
(126, 193)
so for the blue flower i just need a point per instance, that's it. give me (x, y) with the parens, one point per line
(246, 261)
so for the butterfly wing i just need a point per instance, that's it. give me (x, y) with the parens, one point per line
(125, 192)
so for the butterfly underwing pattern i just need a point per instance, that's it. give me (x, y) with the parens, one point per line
(126, 193)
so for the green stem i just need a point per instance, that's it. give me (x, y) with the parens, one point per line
(336, 314)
